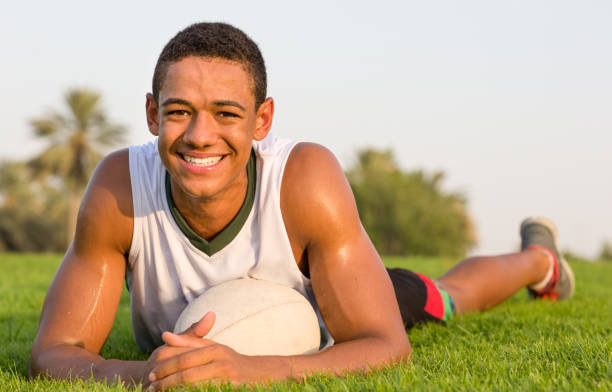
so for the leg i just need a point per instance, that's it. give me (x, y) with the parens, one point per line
(479, 283)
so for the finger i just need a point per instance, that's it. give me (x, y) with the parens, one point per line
(194, 376)
(181, 340)
(201, 327)
(184, 361)
(166, 351)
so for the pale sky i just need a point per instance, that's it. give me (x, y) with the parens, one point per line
(512, 99)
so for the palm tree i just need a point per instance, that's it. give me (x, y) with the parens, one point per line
(75, 141)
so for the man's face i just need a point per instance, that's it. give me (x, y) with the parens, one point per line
(205, 118)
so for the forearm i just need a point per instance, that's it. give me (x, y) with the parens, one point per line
(362, 354)
(189, 359)
(69, 362)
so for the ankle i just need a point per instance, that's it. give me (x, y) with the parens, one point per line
(541, 265)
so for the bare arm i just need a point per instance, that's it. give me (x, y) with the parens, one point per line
(82, 300)
(352, 288)
(351, 285)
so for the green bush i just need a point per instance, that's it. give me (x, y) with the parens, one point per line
(408, 212)
(32, 212)
(606, 251)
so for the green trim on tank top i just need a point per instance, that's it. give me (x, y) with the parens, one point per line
(230, 232)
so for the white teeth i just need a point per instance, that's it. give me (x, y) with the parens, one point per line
(202, 161)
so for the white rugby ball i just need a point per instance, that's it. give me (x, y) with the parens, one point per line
(255, 317)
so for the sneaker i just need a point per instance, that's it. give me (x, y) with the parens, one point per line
(541, 233)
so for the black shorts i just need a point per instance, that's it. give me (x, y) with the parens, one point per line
(419, 298)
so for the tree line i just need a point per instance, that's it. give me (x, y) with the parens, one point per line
(404, 212)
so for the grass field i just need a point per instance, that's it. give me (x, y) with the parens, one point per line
(520, 345)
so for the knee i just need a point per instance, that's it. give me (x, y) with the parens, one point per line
(464, 298)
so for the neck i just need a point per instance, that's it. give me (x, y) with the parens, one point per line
(207, 216)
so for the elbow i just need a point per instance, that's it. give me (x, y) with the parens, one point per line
(34, 370)
(402, 350)
(406, 352)
(39, 361)
(396, 350)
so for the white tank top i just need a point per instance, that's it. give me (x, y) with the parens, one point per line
(166, 271)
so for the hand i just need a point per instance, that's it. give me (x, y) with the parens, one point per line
(187, 358)
(166, 352)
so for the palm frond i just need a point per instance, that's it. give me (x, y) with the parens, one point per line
(110, 135)
(44, 127)
(84, 106)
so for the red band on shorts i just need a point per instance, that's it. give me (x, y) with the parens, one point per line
(435, 303)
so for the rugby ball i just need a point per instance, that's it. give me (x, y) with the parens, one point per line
(255, 317)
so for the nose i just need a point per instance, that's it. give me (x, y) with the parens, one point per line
(201, 131)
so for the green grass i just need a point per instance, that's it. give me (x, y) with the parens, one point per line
(520, 345)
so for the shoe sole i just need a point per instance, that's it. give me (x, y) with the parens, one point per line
(563, 264)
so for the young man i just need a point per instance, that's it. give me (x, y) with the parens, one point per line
(215, 198)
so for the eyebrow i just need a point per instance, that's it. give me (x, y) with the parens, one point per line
(179, 101)
(230, 103)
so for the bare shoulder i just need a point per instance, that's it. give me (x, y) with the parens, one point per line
(106, 211)
(312, 168)
(316, 198)
(113, 173)
(305, 152)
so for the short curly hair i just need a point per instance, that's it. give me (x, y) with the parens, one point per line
(214, 40)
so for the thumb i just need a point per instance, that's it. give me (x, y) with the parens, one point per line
(201, 328)
(192, 336)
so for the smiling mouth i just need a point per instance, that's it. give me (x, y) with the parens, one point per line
(202, 162)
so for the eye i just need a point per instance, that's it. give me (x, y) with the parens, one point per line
(178, 113)
(228, 114)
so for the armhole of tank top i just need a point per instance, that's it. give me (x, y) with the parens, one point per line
(135, 179)
(286, 155)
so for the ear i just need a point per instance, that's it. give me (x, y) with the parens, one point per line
(263, 122)
(152, 114)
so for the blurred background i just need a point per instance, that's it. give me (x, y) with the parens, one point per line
(454, 120)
